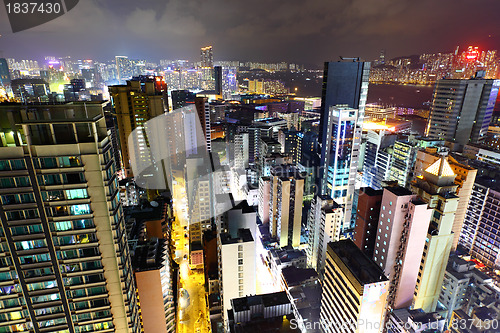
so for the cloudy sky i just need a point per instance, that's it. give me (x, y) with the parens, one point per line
(303, 31)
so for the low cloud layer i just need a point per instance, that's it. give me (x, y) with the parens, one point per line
(266, 30)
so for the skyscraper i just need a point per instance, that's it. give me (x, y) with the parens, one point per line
(203, 110)
(123, 69)
(368, 211)
(285, 206)
(344, 83)
(236, 267)
(323, 226)
(403, 158)
(461, 110)
(354, 291)
(4, 72)
(477, 234)
(401, 232)
(65, 256)
(465, 176)
(134, 104)
(181, 98)
(436, 186)
(207, 57)
(339, 159)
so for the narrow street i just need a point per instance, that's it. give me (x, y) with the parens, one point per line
(192, 313)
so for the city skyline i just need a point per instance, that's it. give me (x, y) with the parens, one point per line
(313, 167)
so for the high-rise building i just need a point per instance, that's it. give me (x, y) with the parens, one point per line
(203, 110)
(291, 144)
(477, 234)
(155, 285)
(460, 279)
(437, 187)
(465, 176)
(4, 72)
(140, 100)
(403, 158)
(256, 86)
(236, 267)
(31, 90)
(461, 110)
(339, 159)
(123, 69)
(344, 83)
(401, 232)
(323, 226)
(365, 232)
(218, 82)
(229, 82)
(181, 98)
(264, 199)
(65, 256)
(378, 154)
(207, 57)
(241, 150)
(354, 291)
(285, 206)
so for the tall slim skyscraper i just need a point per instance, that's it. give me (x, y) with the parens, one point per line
(135, 103)
(203, 110)
(207, 57)
(123, 69)
(354, 291)
(4, 72)
(481, 221)
(401, 232)
(436, 186)
(368, 211)
(236, 267)
(461, 110)
(323, 225)
(339, 159)
(344, 83)
(65, 259)
(285, 206)
(464, 179)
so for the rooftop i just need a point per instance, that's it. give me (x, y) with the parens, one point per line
(267, 300)
(244, 235)
(149, 255)
(371, 192)
(295, 276)
(364, 269)
(398, 190)
(441, 168)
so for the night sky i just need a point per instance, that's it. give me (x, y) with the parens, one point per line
(302, 31)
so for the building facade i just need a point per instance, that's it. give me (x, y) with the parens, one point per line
(65, 255)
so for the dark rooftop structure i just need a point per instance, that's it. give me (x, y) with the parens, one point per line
(244, 235)
(371, 192)
(267, 300)
(398, 190)
(261, 313)
(243, 205)
(363, 269)
(295, 276)
(149, 255)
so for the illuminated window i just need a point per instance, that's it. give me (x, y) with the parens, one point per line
(80, 209)
(76, 194)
